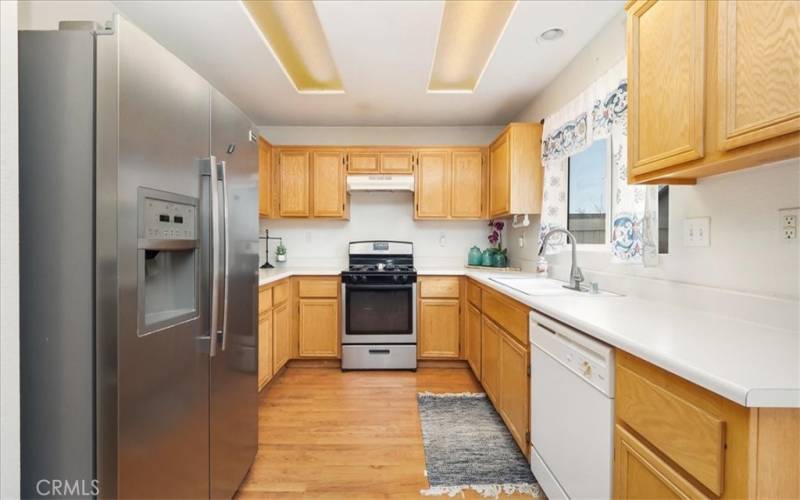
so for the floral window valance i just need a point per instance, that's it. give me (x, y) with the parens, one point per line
(598, 112)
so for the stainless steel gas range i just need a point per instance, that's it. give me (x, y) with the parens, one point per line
(379, 307)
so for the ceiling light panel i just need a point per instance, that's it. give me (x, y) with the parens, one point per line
(468, 36)
(292, 31)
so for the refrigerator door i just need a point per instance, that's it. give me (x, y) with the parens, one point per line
(162, 372)
(234, 378)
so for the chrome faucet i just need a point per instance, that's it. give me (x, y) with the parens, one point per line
(575, 273)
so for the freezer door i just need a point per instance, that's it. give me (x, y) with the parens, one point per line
(162, 372)
(234, 378)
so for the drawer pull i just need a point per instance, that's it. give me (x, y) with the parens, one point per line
(380, 351)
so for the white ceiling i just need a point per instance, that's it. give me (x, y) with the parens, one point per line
(384, 51)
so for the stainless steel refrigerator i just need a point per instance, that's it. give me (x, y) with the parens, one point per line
(139, 257)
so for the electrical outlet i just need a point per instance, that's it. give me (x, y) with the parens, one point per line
(697, 232)
(442, 239)
(788, 223)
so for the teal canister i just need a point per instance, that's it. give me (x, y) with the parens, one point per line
(474, 257)
(500, 259)
(486, 258)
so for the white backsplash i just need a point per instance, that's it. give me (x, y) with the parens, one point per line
(375, 216)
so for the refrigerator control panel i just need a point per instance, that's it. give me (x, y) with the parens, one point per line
(168, 220)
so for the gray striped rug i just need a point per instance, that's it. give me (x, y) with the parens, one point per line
(467, 446)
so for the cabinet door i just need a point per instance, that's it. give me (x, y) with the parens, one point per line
(433, 185)
(490, 359)
(264, 178)
(319, 328)
(514, 395)
(759, 71)
(466, 193)
(640, 473)
(473, 335)
(282, 335)
(397, 162)
(264, 348)
(438, 328)
(500, 176)
(363, 162)
(666, 83)
(293, 170)
(329, 183)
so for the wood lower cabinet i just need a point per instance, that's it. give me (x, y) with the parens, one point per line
(282, 320)
(319, 328)
(265, 335)
(514, 394)
(439, 328)
(473, 339)
(318, 318)
(674, 439)
(294, 183)
(491, 339)
(732, 98)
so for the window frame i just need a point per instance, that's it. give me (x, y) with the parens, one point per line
(608, 192)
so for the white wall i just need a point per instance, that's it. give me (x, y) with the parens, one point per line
(46, 14)
(378, 215)
(746, 256)
(9, 255)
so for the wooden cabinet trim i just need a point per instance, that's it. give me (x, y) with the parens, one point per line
(318, 287)
(439, 287)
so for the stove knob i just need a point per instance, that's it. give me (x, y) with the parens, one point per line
(405, 278)
(396, 278)
(363, 278)
(353, 278)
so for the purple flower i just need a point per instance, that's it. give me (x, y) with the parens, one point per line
(499, 225)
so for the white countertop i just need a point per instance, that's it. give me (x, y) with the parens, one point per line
(748, 363)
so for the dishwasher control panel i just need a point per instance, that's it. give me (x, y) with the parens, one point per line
(589, 359)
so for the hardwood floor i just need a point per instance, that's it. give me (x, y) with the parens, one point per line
(328, 434)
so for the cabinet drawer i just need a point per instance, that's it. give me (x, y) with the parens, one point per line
(511, 316)
(318, 288)
(436, 287)
(689, 435)
(280, 293)
(264, 299)
(474, 294)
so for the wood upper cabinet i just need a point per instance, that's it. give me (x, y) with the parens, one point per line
(432, 194)
(363, 161)
(712, 87)
(319, 328)
(329, 183)
(294, 179)
(397, 162)
(439, 328)
(491, 338)
(466, 193)
(264, 178)
(473, 339)
(515, 171)
(759, 68)
(514, 394)
(667, 72)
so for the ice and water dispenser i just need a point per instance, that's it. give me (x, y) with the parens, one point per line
(169, 260)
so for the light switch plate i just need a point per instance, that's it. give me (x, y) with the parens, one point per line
(697, 232)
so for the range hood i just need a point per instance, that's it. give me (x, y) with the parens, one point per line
(380, 183)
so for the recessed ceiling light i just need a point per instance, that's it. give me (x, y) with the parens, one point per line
(293, 33)
(550, 35)
(468, 36)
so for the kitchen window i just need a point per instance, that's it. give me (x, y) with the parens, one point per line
(589, 198)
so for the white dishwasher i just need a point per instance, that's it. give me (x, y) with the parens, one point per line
(572, 411)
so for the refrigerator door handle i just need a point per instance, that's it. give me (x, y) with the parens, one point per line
(210, 171)
(226, 240)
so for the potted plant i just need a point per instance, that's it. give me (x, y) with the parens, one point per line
(280, 252)
(500, 257)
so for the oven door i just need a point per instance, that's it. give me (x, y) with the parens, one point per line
(379, 314)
